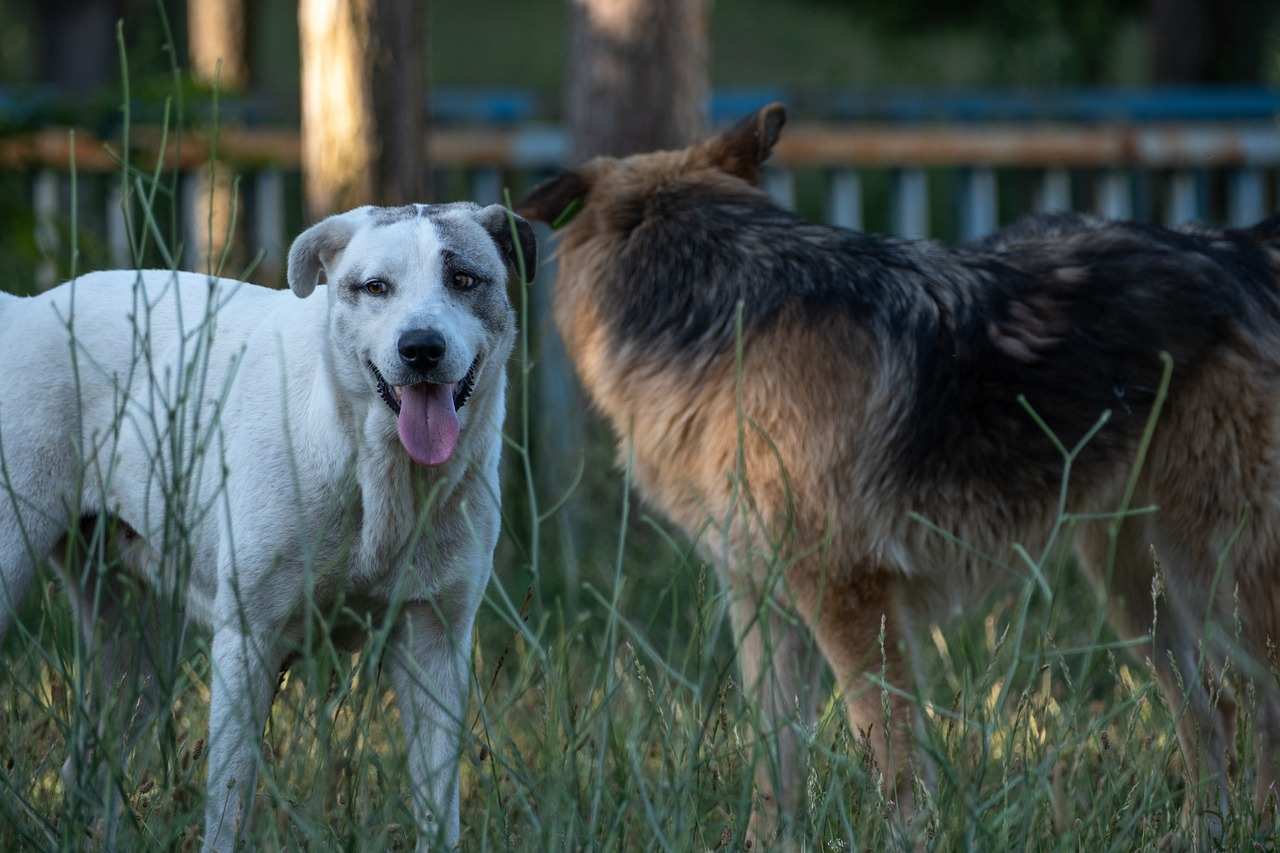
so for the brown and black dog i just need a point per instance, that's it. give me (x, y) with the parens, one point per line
(799, 397)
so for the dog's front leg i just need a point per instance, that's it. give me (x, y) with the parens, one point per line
(430, 670)
(244, 678)
(779, 667)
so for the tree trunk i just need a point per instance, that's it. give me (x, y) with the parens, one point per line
(1194, 42)
(399, 60)
(77, 47)
(637, 81)
(216, 48)
(76, 56)
(216, 33)
(637, 75)
(362, 143)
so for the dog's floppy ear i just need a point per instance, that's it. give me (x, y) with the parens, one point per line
(742, 148)
(551, 200)
(497, 220)
(317, 248)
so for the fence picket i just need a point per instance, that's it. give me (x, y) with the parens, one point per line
(44, 204)
(978, 199)
(1115, 194)
(1183, 204)
(844, 201)
(118, 248)
(910, 202)
(486, 186)
(1054, 193)
(195, 221)
(781, 186)
(269, 224)
(1245, 202)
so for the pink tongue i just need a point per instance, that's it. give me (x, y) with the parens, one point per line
(428, 423)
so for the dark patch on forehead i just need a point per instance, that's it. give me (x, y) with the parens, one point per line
(464, 237)
(392, 215)
(459, 234)
(348, 286)
(465, 245)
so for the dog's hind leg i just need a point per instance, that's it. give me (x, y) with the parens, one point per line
(779, 666)
(27, 538)
(860, 629)
(1204, 714)
(1267, 750)
(17, 569)
(1262, 645)
(116, 634)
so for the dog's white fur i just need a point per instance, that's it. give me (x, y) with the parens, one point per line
(297, 484)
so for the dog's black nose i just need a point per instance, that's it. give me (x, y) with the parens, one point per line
(421, 349)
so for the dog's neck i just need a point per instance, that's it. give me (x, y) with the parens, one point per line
(402, 503)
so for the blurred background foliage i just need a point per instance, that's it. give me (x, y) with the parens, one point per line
(795, 44)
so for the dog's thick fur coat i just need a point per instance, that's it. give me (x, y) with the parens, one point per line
(878, 381)
(247, 442)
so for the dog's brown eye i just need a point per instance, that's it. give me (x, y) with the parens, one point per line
(375, 287)
(464, 281)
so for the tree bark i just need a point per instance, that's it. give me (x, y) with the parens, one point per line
(77, 47)
(217, 51)
(399, 59)
(363, 103)
(75, 55)
(637, 75)
(216, 33)
(1194, 42)
(637, 81)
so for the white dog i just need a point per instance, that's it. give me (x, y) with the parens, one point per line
(296, 449)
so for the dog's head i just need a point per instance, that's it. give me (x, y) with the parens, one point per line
(606, 190)
(420, 315)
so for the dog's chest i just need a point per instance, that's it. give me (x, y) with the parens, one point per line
(416, 535)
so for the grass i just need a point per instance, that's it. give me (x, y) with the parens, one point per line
(622, 727)
(605, 712)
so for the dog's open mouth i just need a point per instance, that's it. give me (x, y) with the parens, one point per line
(427, 413)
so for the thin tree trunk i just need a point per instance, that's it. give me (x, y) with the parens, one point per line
(399, 60)
(1194, 42)
(216, 35)
(77, 47)
(76, 55)
(637, 75)
(1178, 38)
(362, 143)
(216, 47)
(637, 81)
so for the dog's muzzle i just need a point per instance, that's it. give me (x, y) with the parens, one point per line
(460, 394)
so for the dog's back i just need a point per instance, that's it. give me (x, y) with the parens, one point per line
(852, 384)
(1069, 313)
(121, 375)
(127, 343)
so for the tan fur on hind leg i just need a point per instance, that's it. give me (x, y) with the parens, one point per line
(860, 632)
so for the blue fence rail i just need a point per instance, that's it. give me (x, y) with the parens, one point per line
(32, 107)
(891, 160)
